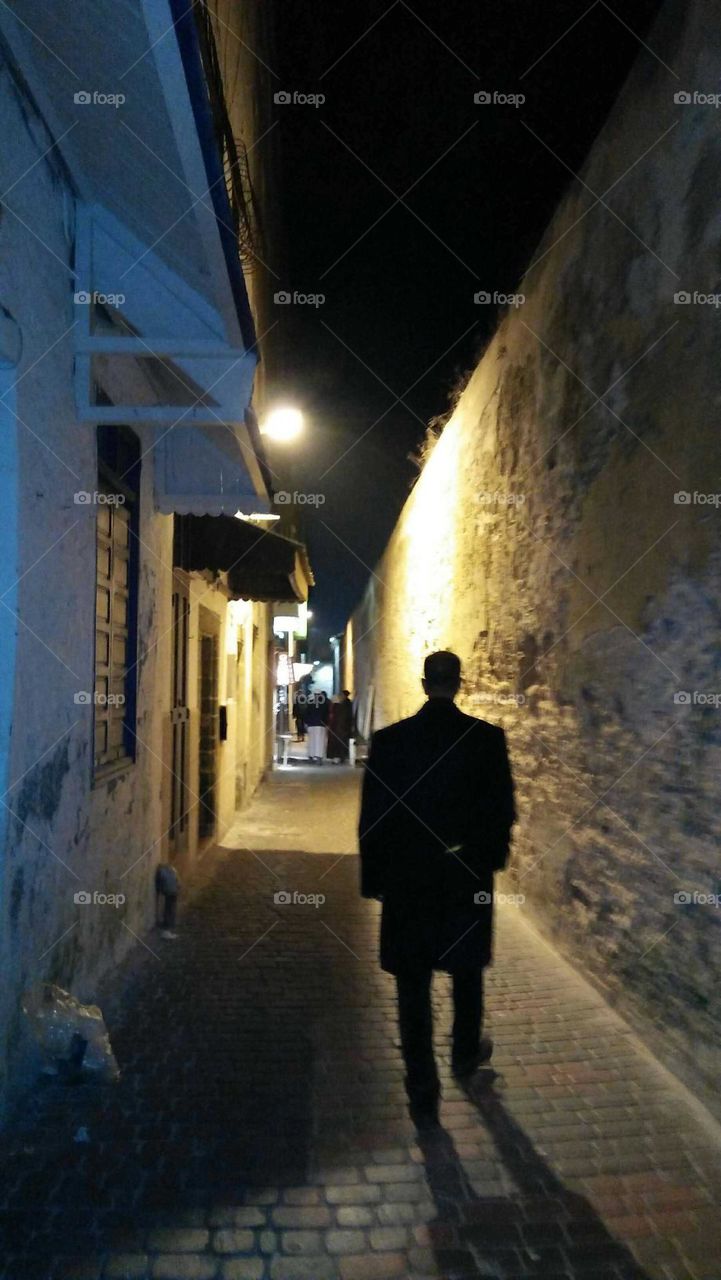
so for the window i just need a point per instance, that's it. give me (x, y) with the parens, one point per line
(116, 589)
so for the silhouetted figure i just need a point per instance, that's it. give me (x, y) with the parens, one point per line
(316, 723)
(435, 826)
(299, 715)
(340, 727)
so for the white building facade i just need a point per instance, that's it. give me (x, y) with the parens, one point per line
(136, 677)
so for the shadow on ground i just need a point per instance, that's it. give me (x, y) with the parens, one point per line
(543, 1230)
(214, 1096)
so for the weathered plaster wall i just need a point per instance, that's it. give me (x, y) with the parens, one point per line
(543, 543)
(64, 831)
(65, 834)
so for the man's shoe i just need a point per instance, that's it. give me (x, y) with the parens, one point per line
(464, 1067)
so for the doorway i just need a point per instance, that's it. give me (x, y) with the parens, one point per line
(208, 649)
(179, 721)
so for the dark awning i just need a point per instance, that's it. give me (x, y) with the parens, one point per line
(260, 565)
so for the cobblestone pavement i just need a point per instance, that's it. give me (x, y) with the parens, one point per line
(299, 800)
(259, 1129)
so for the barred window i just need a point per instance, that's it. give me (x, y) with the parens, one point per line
(116, 597)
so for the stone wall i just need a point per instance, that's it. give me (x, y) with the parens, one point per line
(545, 541)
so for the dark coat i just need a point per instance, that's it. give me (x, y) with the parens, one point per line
(316, 709)
(340, 728)
(438, 780)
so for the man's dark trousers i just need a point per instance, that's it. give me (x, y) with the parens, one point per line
(415, 1018)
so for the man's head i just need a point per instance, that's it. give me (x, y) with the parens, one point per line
(346, 693)
(442, 674)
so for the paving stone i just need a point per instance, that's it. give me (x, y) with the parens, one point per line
(396, 1214)
(126, 1266)
(338, 1176)
(377, 1266)
(393, 1173)
(354, 1215)
(184, 1266)
(346, 1241)
(301, 1216)
(222, 1216)
(319, 1268)
(249, 1216)
(388, 1237)
(233, 1240)
(178, 1240)
(242, 1269)
(267, 1242)
(359, 1193)
(301, 1195)
(394, 1191)
(301, 1242)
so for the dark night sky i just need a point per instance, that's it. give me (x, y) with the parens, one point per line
(401, 300)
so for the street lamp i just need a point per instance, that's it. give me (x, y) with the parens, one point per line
(283, 423)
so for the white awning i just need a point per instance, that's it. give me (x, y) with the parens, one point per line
(203, 472)
(162, 327)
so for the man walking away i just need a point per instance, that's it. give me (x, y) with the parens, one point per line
(435, 824)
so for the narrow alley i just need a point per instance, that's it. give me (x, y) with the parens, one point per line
(259, 1126)
(360, 676)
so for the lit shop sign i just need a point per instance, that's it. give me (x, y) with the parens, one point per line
(292, 624)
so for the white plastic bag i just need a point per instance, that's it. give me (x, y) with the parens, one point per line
(61, 1025)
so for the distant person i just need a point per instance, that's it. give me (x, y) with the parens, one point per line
(435, 823)
(316, 723)
(340, 727)
(299, 715)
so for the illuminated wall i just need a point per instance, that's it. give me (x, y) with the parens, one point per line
(569, 548)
